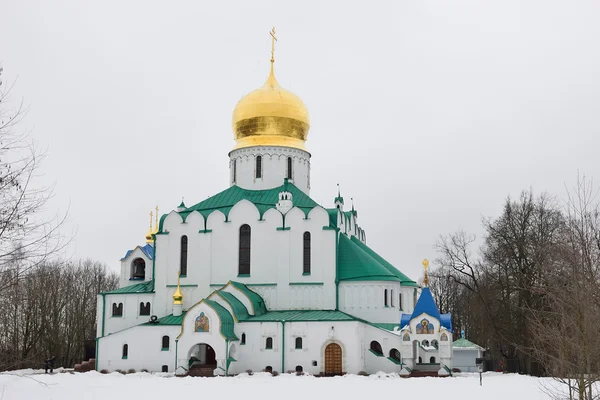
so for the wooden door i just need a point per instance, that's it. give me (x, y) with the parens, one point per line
(333, 359)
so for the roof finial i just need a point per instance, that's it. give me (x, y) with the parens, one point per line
(178, 296)
(156, 220)
(426, 278)
(273, 39)
(338, 185)
(149, 234)
(352, 200)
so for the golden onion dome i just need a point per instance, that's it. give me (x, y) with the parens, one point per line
(270, 116)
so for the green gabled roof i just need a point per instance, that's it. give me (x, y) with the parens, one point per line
(463, 343)
(257, 302)
(354, 264)
(406, 281)
(146, 287)
(226, 327)
(239, 309)
(301, 315)
(167, 320)
(262, 199)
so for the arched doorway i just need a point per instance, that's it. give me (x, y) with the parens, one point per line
(333, 359)
(202, 360)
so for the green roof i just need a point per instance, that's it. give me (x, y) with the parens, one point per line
(406, 281)
(145, 287)
(258, 304)
(167, 320)
(226, 319)
(239, 309)
(463, 343)
(386, 326)
(262, 199)
(301, 315)
(355, 264)
(333, 217)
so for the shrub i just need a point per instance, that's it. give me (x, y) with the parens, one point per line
(363, 373)
(289, 371)
(299, 373)
(249, 372)
(275, 373)
(144, 370)
(131, 371)
(118, 370)
(104, 371)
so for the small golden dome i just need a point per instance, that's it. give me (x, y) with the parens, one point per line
(270, 116)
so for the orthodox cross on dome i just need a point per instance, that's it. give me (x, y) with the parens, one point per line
(156, 219)
(149, 234)
(426, 278)
(273, 39)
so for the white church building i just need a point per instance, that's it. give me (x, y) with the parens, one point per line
(260, 276)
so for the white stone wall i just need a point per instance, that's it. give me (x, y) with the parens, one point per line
(144, 349)
(274, 167)
(464, 359)
(131, 312)
(365, 300)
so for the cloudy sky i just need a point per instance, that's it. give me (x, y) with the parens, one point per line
(428, 112)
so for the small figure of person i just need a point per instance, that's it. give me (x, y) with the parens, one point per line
(49, 363)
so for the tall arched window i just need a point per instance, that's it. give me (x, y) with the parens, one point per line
(117, 310)
(298, 342)
(289, 168)
(125, 351)
(258, 166)
(269, 343)
(165, 342)
(385, 298)
(244, 251)
(306, 253)
(432, 360)
(400, 300)
(234, 170)
(183, 256)
(391, 297)
(243, 340)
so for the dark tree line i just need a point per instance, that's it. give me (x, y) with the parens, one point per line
(530, 293)
(51, 311)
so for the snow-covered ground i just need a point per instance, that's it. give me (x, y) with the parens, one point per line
(29, 384)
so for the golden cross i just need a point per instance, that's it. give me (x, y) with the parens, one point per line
(150, 221)
(273, 39)
(156, 218)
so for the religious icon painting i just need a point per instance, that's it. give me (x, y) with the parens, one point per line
(444, 337)
(424, 327)
(406, 337)
(201, 323)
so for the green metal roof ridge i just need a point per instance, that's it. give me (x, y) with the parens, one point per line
(258, 303)
(464, 343)
(263, 199)
(301, 316)
(167, 320)
(239, 309)
(354, 263)
(145, 287)
(405, 279)
(227, 323)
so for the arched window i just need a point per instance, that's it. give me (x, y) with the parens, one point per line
(183, 256)
(269, 343)
(165, 342)
(435, 344)
(145, 308)
(385, 298)
(243, 341)
(298, 342)
(306, 264)
(432, 360)
(420, 360)
(400, 301)
(299, 369)
(138, 269)
(376, 348)
(391, 297)
(125, 351)
(234, 170)
(244, 251)
(289, 168)
(117, 310)
(425, 343)
(395, 355)
(258, 166)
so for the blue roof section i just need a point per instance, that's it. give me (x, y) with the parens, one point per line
(148, 251)
(426, 305)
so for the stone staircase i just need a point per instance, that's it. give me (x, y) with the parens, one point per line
(204, 370)
(86, 366)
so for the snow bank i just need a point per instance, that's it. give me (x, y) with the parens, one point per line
(260, 386)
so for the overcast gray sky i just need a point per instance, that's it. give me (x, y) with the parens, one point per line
(429, 113)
